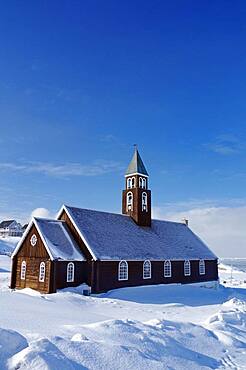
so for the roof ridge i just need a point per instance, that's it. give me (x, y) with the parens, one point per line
(47, 219)
(95, 210)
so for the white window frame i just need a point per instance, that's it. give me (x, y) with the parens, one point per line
(133, 182)
(129, 183)
(23, 270)
(140, 182)
(144, 202)
(187, 268)
(70, 272)
(202, 267)
(144, 183)
(33, 240)
(167, 268)
(129, 205)
(42, 272)
(147, 269)
(123, 272)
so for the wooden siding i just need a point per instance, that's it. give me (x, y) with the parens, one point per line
(28, 250)
(32, 274)
(33, 256)
(75, 234)
(80, 273)
(107, 274)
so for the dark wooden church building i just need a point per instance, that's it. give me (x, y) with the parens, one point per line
(107, 250)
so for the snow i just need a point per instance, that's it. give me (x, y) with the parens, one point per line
(8, 244)
(155, 327)
(57, 239)
(116, 237)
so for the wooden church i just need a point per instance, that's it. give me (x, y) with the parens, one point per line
(107, 250)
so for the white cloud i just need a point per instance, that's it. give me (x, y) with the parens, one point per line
(63, 170)
(226, 144)
(222, 228)
(41, 212)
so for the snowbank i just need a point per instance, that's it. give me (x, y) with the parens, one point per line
(7, 245)
(11, 343)
(156, 327)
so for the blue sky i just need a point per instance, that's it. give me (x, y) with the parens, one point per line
(81, 82)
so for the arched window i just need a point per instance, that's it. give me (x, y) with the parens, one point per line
(133, 182)
(144, 202)
(23, 270)
(123, 270)
(70, 272)
(202, 269)
(140, 182)
(129, 202)
(147, 270)
(144, 183)
(129, 183)
(167, 269)
(42, 272)
(187, 269)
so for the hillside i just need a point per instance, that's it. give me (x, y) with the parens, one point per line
(8, 244)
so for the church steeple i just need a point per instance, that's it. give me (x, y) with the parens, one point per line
(136, 165)
(136, 198)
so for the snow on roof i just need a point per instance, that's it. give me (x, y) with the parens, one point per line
(6, 223)
(116, 237)
(58, 239)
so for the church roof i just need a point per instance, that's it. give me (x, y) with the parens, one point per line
(57, 240)
(112, 236)
(136, 165)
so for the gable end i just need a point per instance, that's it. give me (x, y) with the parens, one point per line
(24, 247)
(65, 215)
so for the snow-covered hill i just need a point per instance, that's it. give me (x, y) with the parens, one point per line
(8, 244)
(155, 327)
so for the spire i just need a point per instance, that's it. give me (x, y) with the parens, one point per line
(136, 165)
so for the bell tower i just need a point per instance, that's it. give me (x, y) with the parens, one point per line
(136, 198)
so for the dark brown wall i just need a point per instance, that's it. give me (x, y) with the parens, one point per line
(75, 234)
(27, 249)
(80, 273)
(33, 255)
(108, 274)
(142, 218)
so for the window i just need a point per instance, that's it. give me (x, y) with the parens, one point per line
(187, 269)
(202, 269)
(140, 182)
(42, 272)
(133, 182)
(147, 270)
(33, 240)
(167, 269)
(129, 183)
(70, 272)
(23, 270)
(144, 183)
(123, 271)
(144, 202)
(129, 205)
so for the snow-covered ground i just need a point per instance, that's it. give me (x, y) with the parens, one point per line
(154, 327)
(8, 244)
